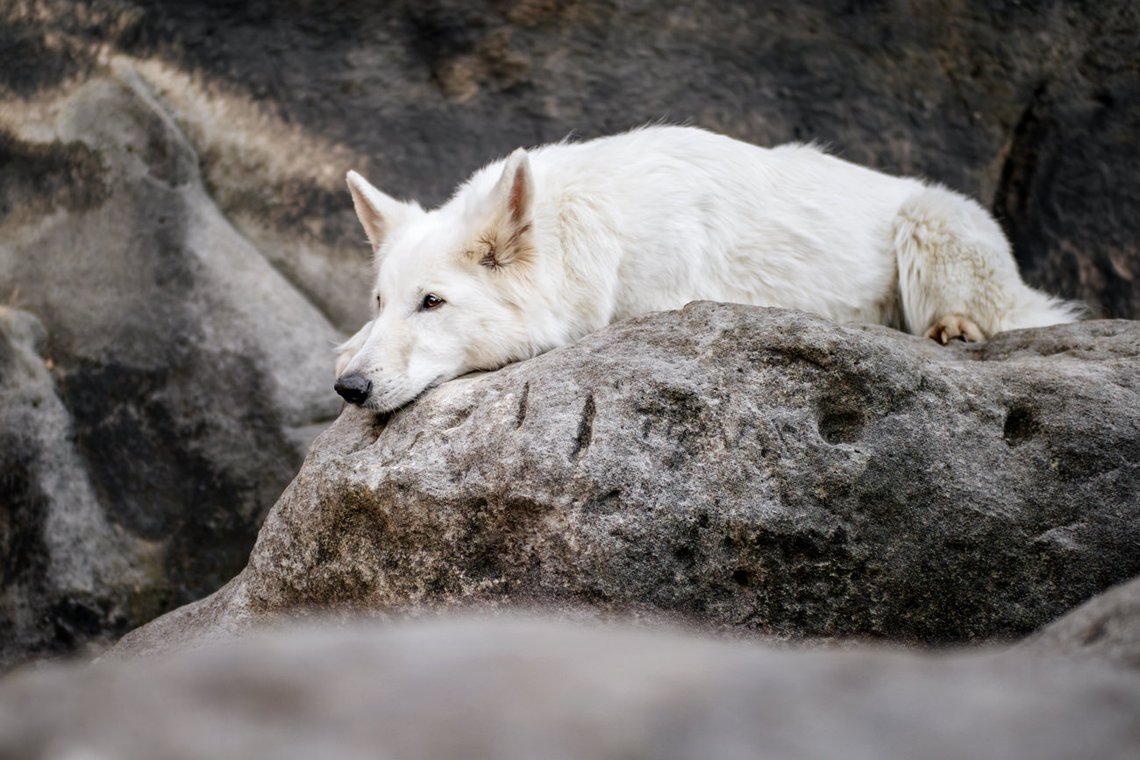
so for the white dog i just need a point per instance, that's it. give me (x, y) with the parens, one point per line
(548, 245)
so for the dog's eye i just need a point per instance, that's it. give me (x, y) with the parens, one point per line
(431, 301)
(379, 303)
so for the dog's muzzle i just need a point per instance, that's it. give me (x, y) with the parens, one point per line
(353, 388)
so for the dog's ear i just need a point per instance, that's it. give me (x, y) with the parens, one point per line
(514, 193)
(511, 236)
(378, 213)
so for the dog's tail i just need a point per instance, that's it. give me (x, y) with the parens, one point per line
(1032, 308)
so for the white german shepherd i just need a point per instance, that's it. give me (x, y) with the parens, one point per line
(537, 250)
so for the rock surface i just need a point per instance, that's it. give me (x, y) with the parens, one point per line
(523, 689)
(732, 467)
(179, 382)
(66, 572)
(172, 205)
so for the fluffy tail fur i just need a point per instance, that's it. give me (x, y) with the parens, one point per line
(953, 259)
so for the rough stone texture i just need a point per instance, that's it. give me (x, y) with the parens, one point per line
(733, 467)
(523, 689)
(237, 121)
(66, 573)
(190, 375)
(1105, 628)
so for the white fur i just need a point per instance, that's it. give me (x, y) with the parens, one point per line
(585, 234)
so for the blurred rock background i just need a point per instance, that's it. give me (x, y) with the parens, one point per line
(178, 254)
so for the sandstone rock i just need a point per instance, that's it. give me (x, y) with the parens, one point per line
(525, 689)
(67, 574)
(234, 150)
(1105, 628)
(190, 375)
(732, 467)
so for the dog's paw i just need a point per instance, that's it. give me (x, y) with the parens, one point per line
(955, 327)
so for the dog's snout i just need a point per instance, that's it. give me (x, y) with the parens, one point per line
(353, 388)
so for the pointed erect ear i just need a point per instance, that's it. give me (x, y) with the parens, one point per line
(514, 192)
(378, 213)
(510, 236)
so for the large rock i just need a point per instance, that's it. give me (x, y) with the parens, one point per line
(123, 197)
(190, 375)
(521, 689)
(733, 467)
(67, 573)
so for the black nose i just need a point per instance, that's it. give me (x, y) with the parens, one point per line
(353, 388)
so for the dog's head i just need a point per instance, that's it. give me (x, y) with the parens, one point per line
(450, 289)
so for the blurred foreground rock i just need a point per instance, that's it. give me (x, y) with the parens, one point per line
(732, 467)
(521, 689)
(1105, 628)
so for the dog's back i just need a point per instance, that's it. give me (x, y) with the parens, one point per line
(690, 214)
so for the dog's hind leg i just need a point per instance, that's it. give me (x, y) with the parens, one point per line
(957, 275)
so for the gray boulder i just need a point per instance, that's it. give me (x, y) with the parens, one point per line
(67, 572)
(511, 689)
(178, 384)
(736, 468)
(120, 203)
